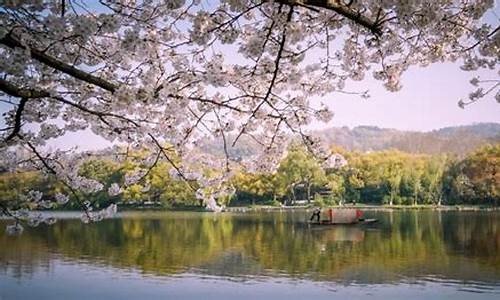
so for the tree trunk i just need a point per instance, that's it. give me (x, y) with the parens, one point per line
(308, 192)
(292, 188)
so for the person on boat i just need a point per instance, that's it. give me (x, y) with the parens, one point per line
(359, 214)
(330, 215)
(316, 214)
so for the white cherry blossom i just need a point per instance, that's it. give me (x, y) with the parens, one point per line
(173, 73)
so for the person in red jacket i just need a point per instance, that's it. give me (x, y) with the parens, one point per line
(330, 215)
(359, 214)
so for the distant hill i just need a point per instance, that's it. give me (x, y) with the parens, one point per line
(245, 147)
(456, 140)
(485, 130)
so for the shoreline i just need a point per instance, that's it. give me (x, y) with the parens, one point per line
(268, 208)
(369, 207)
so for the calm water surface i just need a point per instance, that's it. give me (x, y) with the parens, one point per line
(274, 255)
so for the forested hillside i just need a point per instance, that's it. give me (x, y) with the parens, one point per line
(458, 140)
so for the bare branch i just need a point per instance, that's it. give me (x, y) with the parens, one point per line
(63, 8)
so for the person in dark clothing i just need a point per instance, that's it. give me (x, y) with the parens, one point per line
(316, 214)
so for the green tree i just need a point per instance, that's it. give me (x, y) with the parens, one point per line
(299, 167)
(475, 179)
(432, 179)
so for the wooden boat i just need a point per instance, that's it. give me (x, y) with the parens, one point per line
(341, 216)
(359, 221)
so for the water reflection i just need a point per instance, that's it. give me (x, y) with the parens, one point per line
(408, 247)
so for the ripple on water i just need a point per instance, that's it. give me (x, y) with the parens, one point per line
(468, 286)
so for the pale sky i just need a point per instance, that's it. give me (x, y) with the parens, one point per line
(427, 101)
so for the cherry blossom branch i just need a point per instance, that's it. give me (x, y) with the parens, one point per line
(54, 172)
(343, 9)
(223, 134)
(17, 119)
(169, 159)
(150, 168)
(50, 61)
(273, 79)
(25, 93)
(482, 40)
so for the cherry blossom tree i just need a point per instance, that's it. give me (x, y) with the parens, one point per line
(164, 75)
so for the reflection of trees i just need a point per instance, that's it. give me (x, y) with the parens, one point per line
(21, 256)
(475, 235)
(407, 244)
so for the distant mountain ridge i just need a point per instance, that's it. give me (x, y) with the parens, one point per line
(455, 139)
(458, 140)
(485, 130)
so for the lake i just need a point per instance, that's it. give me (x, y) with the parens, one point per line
(266, 255)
